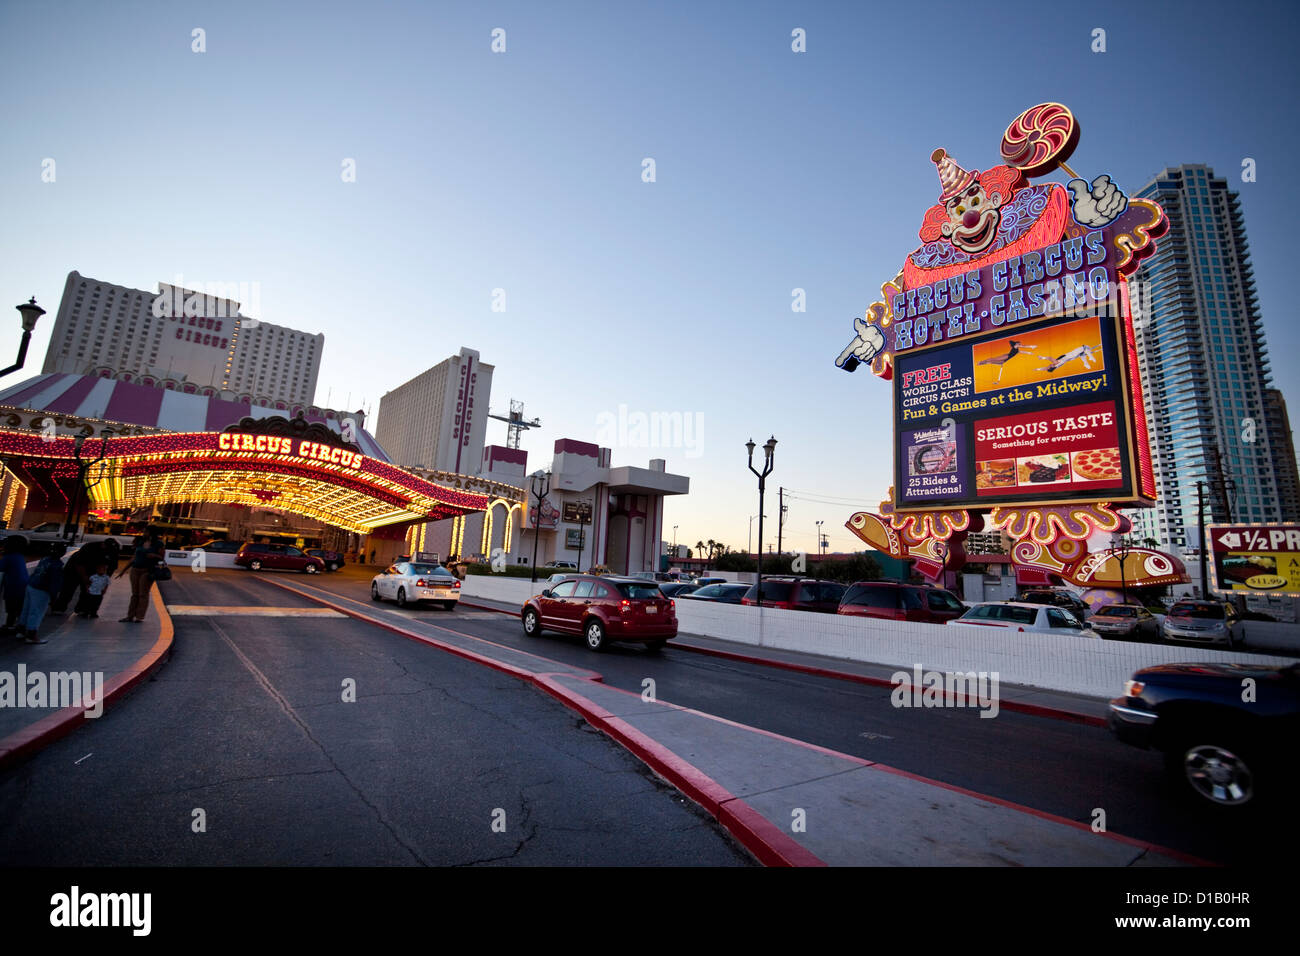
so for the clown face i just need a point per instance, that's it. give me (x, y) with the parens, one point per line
(973, 219)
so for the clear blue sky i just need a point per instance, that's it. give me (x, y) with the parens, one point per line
(522, 171)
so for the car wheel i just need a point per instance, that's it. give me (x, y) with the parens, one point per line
(401, 598)
(331, 567)
(654, 647)
(449, 605)
(595, 634)
(255, 565)
(532, 626)
(311, 569)
(1219, 773)
(374, 592)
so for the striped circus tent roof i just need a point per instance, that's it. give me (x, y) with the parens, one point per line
(164, 404)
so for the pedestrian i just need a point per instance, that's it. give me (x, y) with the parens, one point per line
(148, 555)
(14, 568)
(77, 572)
(373, 552)
(112, 554)
(44, 583)
(93, 595)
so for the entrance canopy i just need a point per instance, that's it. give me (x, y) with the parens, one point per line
(317, 479)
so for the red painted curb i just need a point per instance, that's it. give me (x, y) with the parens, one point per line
(754, 831)
(1034, 710)
(23, 743)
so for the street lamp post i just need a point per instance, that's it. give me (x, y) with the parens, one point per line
(769, 449)
(1122, 546)
(819, 538)
(541, 487)
(30, 312)
(83, 468)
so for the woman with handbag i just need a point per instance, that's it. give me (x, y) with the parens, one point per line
(144, 565)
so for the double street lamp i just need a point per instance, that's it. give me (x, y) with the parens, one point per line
(1121, 545)
(83, 469)
(541, 488)
(768, 450)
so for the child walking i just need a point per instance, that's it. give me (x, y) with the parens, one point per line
(93, 594)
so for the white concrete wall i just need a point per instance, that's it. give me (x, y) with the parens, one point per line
(1067, 663)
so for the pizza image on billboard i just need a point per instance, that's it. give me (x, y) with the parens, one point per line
(1098, 464)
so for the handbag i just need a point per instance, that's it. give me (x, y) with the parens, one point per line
(160, 572)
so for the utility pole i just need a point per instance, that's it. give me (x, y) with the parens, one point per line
(780, 518)
(1200, 523)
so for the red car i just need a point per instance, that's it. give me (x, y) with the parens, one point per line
(895, 601)
(603, 609)
(280, 557)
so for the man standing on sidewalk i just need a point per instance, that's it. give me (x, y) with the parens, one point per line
(14, 568)
(148, 553)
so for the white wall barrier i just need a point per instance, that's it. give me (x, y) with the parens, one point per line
(1067, 663)
(211, 559)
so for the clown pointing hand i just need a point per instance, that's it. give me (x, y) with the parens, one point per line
(869, 343)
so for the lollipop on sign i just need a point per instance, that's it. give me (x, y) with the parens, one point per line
(1041, 139)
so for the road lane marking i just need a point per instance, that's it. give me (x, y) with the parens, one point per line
(202, 610)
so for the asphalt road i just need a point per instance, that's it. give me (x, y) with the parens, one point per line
(1070, 770)
(438, 761)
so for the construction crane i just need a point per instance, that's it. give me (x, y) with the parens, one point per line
(515, 423)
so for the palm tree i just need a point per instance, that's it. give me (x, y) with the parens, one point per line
(712, 547)
(1150, 543)
(699, 548)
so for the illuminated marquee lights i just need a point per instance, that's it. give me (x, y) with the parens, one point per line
(331, 484)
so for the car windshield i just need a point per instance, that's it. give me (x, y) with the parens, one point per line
(943, 601)
(1208, 612)
(639, 592)
(428, 569)
(776, 590)
(1118, 612)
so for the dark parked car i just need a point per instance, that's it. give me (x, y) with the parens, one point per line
(895, 601)
(333, 560)
(603, 609)
(1223, 745)
(1057, 597)
(719, 593)
(674, 589)
(797, 594)
(280, 557)
(1126, 620)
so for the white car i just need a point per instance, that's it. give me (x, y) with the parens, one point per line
(1029, 618)
(409, 583)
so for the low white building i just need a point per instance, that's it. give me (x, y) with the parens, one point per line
(593, 514)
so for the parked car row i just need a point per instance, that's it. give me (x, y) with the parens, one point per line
(259, 556)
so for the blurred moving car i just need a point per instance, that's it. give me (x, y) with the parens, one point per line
(895, 601)
(333, 560)
(559, 576)
(723, 593)
(1221, 749)
(561, 564)
(1125, 620)
(216, 546)
(1030, 618)
(1203, 622)
(797, 594)
(675, 589)
(278, 557)
(603, 609)
(1057, 597)
(410, 583)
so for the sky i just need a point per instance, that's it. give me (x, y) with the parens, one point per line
(524, 171)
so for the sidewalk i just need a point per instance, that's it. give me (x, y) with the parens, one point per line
(793, 803)
(124, 654)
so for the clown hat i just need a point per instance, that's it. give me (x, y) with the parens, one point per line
(952, 177)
